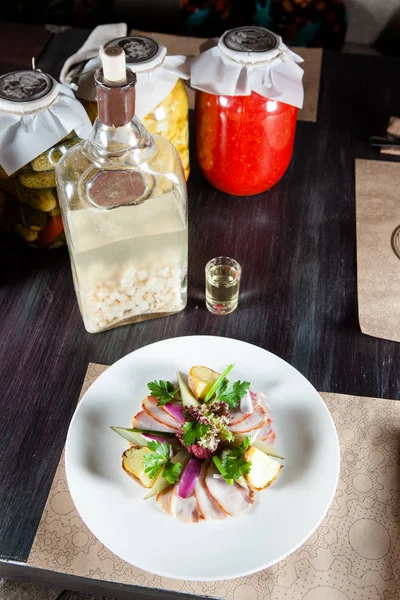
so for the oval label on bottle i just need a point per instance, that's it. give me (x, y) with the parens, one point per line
(250, 39)
(110, 189)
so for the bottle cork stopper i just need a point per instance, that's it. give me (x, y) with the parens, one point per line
(114, 64)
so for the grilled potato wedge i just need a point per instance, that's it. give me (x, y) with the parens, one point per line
(132, 463)
(201, 379)
(264, 469)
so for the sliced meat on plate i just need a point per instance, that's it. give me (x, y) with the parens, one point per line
(237, 416)
(255, 420)
(233, 499)
(208, 507)
(159, 413)
(263, 400)
(144, 420)
(267, 433)
(164, 500)
(184, 509)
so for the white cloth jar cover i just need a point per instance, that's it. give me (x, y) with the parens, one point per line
(250, 59)
(36, 112)
(157, 73)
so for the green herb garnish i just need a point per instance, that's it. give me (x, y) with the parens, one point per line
(217, 462)
(232, 392)
(216, 385)
(172, 472)
(163, 391)
(159, 459)
(192, 431)
(232, 464)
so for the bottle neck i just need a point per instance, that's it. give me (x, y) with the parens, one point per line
(115, 103)
(115, 140)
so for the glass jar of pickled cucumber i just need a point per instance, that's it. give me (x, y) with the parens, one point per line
(162, 103)
(40, 120)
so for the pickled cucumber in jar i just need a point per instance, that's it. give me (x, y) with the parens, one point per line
(30, 198)
(46, 121)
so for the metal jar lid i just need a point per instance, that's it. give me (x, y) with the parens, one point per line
(26, 91)
(142, 53)
(250, 44)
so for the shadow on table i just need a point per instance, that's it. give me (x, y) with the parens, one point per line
(17, 260)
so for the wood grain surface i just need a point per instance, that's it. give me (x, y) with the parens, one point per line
(297, 247)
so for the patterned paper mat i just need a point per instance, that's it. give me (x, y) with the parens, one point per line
(378, 248)
(353, 555)
(178, 44)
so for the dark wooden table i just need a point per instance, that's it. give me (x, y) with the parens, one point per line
(297, 246)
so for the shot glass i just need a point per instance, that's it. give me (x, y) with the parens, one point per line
(222, 285)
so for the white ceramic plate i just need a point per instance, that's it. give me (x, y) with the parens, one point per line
(136, 530)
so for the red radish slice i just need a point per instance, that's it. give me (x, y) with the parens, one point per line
(189, 477)
(160, 415)
(237, 415)
(143, 420)
(176, 411)
(246, 404)
(209, 509)
(256, 420)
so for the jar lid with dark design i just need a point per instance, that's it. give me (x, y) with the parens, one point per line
(250, 44)
(24, 92)
(24, 86)
(142, 53)
(246, 60)
(250, 39)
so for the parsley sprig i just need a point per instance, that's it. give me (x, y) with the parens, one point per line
(162, 390)
(193, 431)
(230, 392)
(232, 464)
(158, 459)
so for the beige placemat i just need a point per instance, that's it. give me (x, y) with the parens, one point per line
(353, 555)
(179, 44)
(378, 247)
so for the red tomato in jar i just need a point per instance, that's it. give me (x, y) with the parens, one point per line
(244, 143)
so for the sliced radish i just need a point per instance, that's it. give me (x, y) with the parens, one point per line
(189, 477)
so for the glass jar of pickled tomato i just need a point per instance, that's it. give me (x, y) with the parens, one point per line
(248, 93)
(38, 120)
(162, 101)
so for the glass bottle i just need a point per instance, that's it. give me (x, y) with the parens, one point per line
(163, 106)
(124, 205)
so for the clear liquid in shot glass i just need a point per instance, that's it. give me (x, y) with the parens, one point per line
(222, 285)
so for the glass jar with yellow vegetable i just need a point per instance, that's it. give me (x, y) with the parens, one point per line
(162, 102)
(39, 120)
